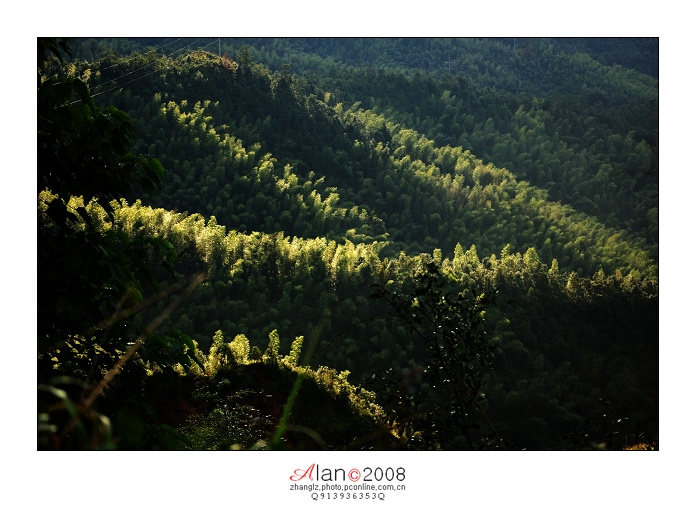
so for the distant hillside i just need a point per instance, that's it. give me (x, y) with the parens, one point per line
(378, 182)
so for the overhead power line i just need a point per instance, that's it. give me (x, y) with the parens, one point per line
(148, 64)
(187, 47)
(146, 53)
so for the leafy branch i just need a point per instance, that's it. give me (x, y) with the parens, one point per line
(450, 324)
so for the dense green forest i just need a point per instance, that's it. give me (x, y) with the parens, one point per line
(328, 243)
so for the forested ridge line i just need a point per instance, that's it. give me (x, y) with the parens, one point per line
(590, 140)
(365, 174)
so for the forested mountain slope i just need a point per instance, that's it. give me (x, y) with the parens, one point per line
(342, 145)
(303, 174)
(585, 100)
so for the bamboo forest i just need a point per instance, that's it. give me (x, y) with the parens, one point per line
(347, 244)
